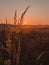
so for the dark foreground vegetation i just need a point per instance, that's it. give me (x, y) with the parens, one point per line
(32, 50)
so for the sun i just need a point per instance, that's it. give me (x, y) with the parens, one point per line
(25, 23)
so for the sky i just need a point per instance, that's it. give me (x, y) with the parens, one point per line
(37, 14)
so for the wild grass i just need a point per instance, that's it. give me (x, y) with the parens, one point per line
(12, 42)
(15, 17)
(13, 39)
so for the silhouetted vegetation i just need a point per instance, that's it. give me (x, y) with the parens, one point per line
(20, 45)
(34, 47)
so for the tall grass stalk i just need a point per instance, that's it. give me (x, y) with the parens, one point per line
(6, 21)
(19, 45)
(22, 16)
(15, 17)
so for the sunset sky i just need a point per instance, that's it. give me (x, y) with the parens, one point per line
(37, 14)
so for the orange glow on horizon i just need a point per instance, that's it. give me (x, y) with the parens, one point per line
(26, 21)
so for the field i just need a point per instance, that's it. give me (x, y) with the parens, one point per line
(29, 46)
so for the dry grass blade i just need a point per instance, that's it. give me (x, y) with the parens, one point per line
(41, 54)
(19, 45)
(15, 17)
(21, 20)
(6, 21)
